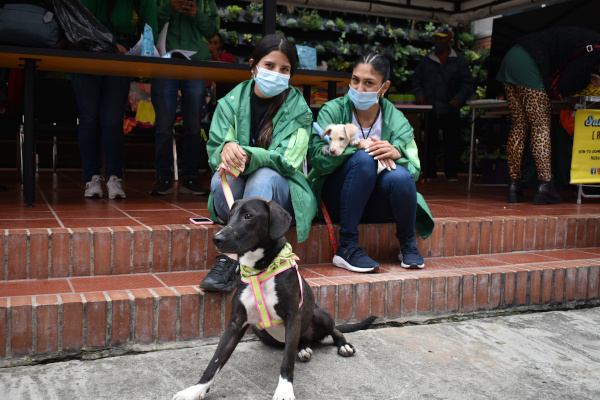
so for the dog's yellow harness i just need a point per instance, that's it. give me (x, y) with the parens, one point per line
(255, 277)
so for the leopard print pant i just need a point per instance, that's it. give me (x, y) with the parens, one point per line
(530, 112)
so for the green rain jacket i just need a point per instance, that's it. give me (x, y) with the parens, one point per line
(395, 129)
(187, 33)
(292, 126)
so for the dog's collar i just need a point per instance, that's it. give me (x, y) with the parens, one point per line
(285, 260)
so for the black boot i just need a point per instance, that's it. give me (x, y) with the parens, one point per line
(546, 194)
(515, 193)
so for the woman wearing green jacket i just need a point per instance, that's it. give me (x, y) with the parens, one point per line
(262, 126)
(349, 184)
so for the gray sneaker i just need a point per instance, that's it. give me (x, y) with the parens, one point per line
(114, 188)
(93, 188)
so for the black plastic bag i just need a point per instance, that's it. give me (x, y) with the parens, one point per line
(82, 28)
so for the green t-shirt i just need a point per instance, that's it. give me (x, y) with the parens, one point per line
(124, 19)
(519, 68)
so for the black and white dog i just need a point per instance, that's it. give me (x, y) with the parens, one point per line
(255, 233)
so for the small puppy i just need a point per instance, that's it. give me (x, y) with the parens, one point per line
(340, 137)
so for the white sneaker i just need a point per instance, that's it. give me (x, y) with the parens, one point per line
(93, 188)
(114, 188)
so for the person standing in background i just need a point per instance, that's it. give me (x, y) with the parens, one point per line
(191, 24)
(443, 79)
(101, 99)
(555, 62)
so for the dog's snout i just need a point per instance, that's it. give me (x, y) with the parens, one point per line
(217, 240)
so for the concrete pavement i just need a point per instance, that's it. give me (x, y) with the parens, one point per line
(549, 355)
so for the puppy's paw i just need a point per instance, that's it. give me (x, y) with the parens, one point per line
(325, 151)
(196, 392)
(305, 354)
(346, 350)
(354, 141)
(284, 391)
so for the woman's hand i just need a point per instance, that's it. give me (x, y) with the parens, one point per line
(122, 50)
(384, 152)
(234, 157)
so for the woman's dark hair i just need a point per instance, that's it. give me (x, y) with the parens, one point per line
(381, 63)
(265, 46)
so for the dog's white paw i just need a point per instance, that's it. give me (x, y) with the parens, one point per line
(305, 354)
(196, 392)
(347, 350)
(285, 390)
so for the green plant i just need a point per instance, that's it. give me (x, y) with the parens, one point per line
(223, 14)
(329, 46)
(466, 39)
(310, 20)
(340, 24)
(234, 11)
(248, 37)
(291, 39)
(257, 37)
(232, 36)
(291, 23)
(329, 24)
(338, 64)
(379, 29)
(320, 49)
(353, 27)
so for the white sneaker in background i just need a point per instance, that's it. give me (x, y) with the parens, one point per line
(93, 188)
(114, 188)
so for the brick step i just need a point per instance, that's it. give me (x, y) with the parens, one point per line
(66, 252)
(61, 316)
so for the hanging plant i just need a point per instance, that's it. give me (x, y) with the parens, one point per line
(379, 29)
(320, 49)
(353, 27)
(329, 24)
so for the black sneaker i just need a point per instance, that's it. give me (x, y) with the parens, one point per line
(192, 186)
(224, 276)
(353, 258)
(410, 257)
(162, 186)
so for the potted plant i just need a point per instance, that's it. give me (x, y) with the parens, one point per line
(310, 20)
(234, 11)
(340, 24)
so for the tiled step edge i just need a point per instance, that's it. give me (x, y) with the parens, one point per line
(57, 253)
(59, 325)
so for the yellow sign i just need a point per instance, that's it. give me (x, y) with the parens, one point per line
(585, 164)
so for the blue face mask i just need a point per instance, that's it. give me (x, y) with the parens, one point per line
(271, 83)
(363, 100)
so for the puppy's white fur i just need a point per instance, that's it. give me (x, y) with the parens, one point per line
(285, 390)
(196, 392)
(250, 258)
(340, 137)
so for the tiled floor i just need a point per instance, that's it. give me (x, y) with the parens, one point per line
(60, 203)
(317, 273)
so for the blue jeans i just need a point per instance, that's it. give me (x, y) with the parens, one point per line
(354, 193)
(101, 102)
(193, 104)
(264, 182)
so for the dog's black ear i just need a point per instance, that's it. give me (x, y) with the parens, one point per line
(279, 220)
